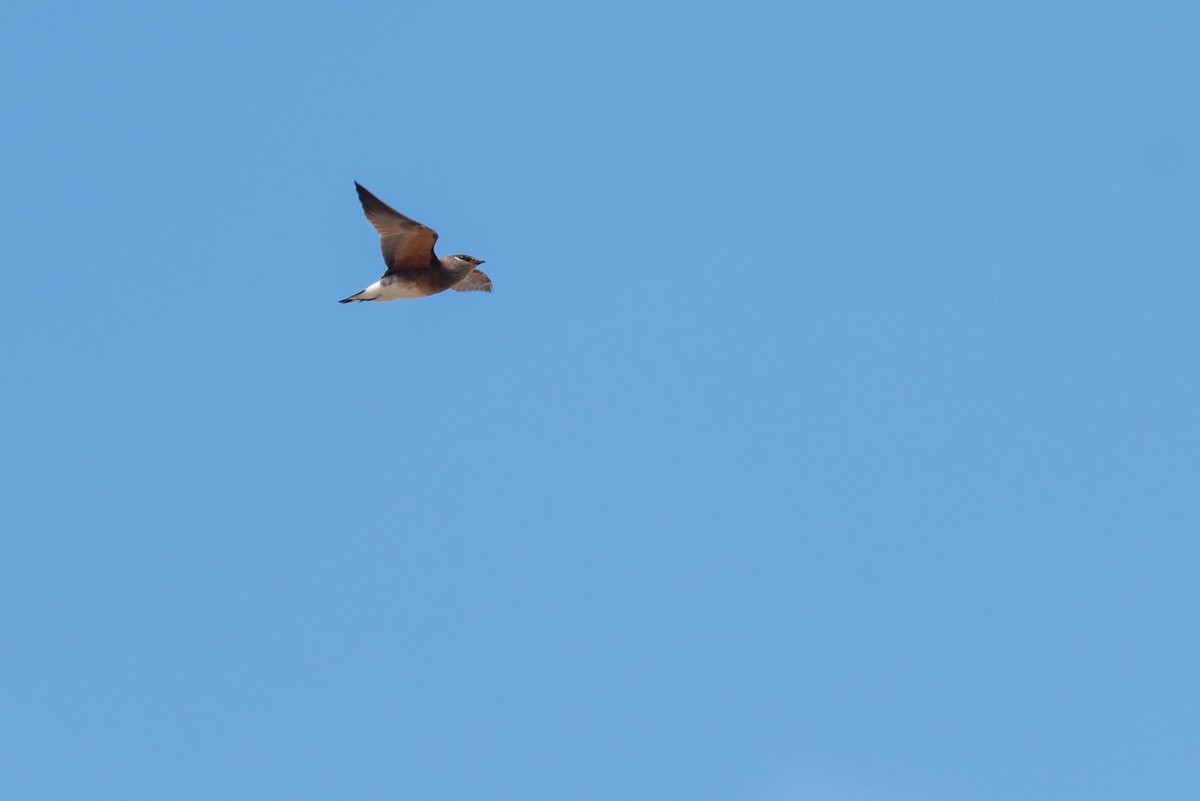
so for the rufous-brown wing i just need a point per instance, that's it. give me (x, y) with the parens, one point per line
(406, 244)
(476, 281)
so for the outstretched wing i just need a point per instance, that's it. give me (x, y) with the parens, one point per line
(406, 244)
(476, 281)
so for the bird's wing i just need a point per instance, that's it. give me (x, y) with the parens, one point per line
(476, 281)
(406, 244)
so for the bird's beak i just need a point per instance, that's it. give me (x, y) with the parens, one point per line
(479, 262)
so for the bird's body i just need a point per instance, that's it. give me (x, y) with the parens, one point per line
(412, 284)
(414, 271)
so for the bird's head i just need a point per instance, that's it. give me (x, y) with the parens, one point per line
(463, 259)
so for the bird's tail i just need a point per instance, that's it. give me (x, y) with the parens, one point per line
(355, 297)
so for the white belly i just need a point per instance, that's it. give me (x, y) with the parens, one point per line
(392, 291)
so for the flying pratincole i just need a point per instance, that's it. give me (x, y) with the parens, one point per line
(413, 271)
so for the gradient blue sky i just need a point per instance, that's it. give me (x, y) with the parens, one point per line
(831, 434)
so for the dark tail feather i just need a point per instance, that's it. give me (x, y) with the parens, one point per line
(356, 297)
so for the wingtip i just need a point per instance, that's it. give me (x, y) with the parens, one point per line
(366, 195)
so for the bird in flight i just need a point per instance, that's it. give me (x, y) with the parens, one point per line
(413, 271)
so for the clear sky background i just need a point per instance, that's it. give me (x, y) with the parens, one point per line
(831, 434)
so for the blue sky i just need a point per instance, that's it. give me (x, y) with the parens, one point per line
(831, 434)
